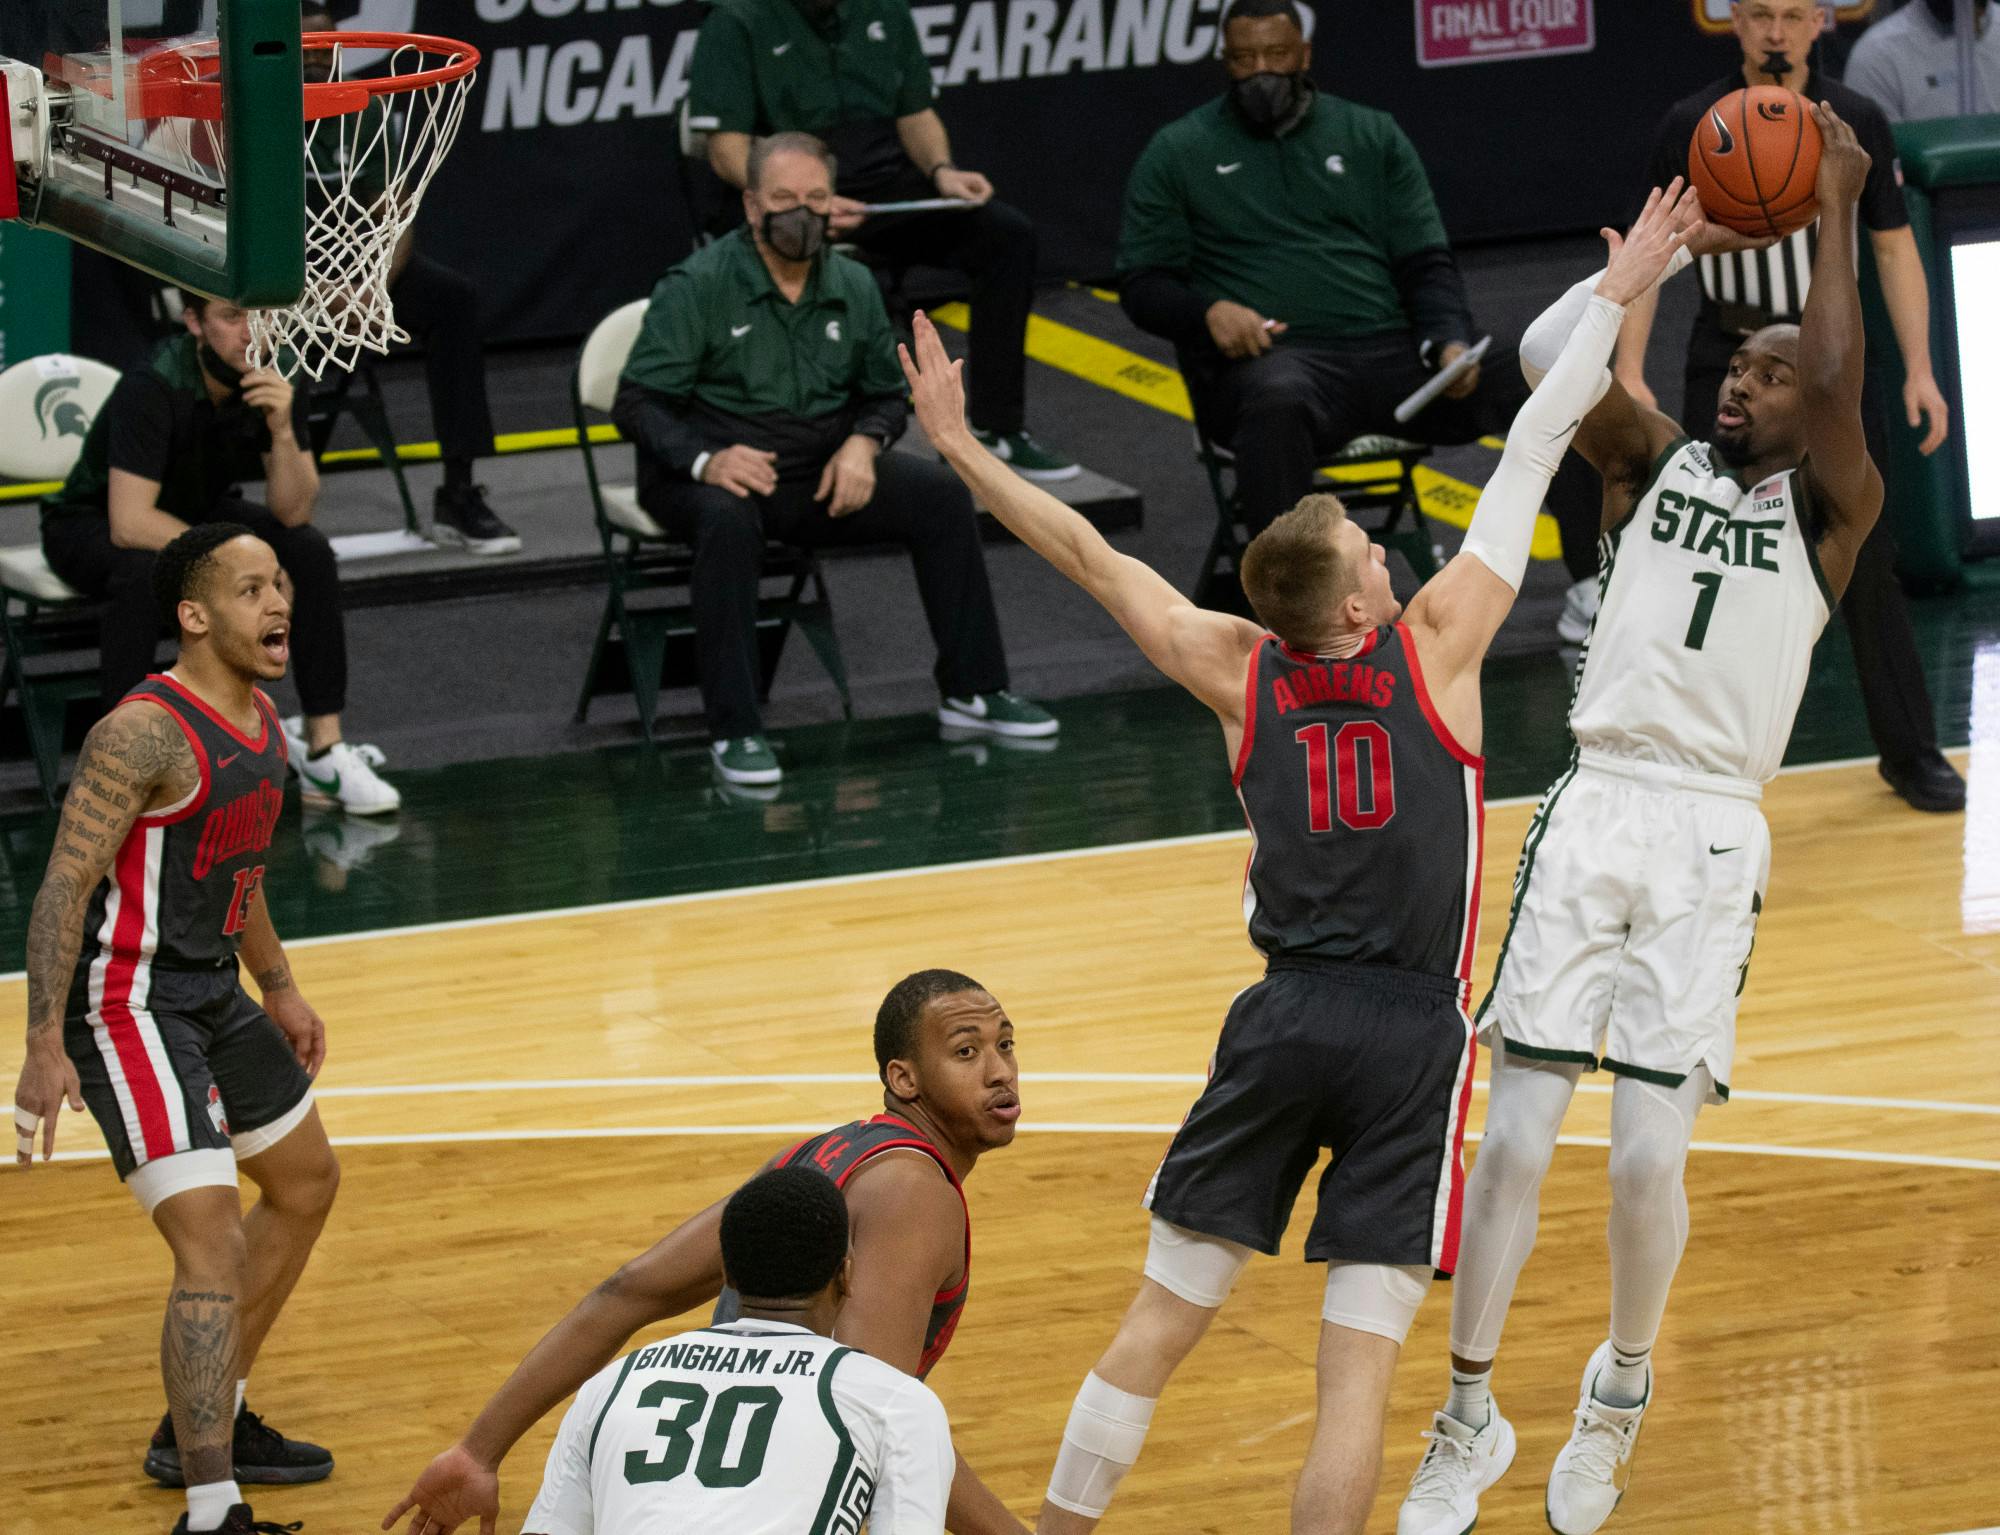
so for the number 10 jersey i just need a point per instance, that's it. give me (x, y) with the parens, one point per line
(1365, 815)
(1712, 601)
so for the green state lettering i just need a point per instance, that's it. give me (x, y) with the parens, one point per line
(1666, 515)
(1764, 545)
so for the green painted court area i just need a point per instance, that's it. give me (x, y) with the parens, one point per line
(533, 834)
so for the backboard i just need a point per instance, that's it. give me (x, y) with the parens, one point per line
(110, 149)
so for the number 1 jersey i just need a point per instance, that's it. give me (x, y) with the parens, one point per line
(1712, 602)
(1365, 815)
(748, 1428)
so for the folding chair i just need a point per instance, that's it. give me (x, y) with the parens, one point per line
(46, 407)
(1370, 473)
(358, 395)
(650, 572)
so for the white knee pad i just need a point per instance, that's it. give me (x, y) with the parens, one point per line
(153, 1183)
(1101, 1442)
(1201, 1270)
(1381, 1298)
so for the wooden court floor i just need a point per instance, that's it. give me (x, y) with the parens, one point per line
(524, 1103)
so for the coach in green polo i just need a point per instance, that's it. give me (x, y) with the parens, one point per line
(853, 73)
(1287, 243)
(762, 395)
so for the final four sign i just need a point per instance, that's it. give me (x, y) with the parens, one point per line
(1491, 31)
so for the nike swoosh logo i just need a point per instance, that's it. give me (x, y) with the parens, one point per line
(739, 330)
(1719, 851)
(1224, 170)
(324, 785)
(1728, 144)
(223, 762)
(777, 51)
(1566, 430)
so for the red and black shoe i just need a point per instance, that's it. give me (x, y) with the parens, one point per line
(242, 1522)
(263, 1456)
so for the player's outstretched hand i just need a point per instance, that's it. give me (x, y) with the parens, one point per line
(48, 1081)
(1843, 163)
(1670, 218)
(937, 387)
(455, 1487)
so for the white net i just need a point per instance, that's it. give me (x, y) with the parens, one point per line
(366, 175)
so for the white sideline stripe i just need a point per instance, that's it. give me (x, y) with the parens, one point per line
(1100, 1078)
(835, 881)
(1051, 1127)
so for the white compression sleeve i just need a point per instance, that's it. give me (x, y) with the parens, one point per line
(1503, 524)
(1106, 1429)
(1543, 341)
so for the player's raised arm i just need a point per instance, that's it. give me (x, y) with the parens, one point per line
(1458, 612)
(681, 1270)
(1203, 651)
(127, 757)
(1844, 482)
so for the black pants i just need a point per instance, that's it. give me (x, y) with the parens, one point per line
(79, 549)
(918, 504)
(1284, 412)
(994, 245)
(440, 309)
(1893, 691)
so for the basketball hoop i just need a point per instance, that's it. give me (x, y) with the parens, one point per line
(372, 145)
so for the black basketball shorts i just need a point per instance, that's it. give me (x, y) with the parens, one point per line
(187, 1062)
(1372, 1064)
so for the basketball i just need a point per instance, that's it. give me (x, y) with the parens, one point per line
(1754, 161)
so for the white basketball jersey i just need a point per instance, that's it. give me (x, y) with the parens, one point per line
(1712, 601)
(748, 1428)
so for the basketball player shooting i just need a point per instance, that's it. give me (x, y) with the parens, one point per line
(1355, 741)
(1636, 900)
(153, 890)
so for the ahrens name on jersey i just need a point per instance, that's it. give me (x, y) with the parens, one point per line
(1334, 682)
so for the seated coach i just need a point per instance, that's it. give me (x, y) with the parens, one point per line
(168, 450)
(1287, 243)
(762, 397)
(853, 73)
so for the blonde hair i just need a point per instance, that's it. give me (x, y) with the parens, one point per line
(1295, 575)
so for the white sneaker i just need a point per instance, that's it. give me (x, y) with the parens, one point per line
(344, 777)
(1460, 1464)
(1591, 1471)
(1579, 612)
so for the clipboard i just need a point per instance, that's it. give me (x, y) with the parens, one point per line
(1446, 376)
(918, 205)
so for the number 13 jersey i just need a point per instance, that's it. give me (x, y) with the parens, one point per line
(1365, 815)
(1712, 600)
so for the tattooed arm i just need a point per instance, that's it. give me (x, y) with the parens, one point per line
(134, 759)
(264, 957)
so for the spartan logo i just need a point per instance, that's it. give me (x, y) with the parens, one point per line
(57, 412)
(1726, 141)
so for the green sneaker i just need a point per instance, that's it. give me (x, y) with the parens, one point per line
(749, 760)
(1000, 714)
(1030, 459)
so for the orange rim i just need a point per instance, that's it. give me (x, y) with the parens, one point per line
(182, 82)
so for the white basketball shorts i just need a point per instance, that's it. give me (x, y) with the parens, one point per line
(1635, 911)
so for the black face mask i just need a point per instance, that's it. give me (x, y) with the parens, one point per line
(1268, 102)
(217, 367)
(795, 234)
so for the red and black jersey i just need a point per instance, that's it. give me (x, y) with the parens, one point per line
(1366, 817)
(842, 1152)
(183, 881)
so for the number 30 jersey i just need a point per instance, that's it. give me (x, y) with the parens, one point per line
(748, 1428)
(1712, 601)
(1365, 815)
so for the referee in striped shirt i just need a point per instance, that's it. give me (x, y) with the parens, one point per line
(1741, 293)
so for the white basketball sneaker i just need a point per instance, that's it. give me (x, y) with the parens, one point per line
(1461, 1463)
(344, 777)
(1591, 1471)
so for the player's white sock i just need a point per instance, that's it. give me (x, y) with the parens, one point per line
(1100, 1443)
(210, 1503)
(1471, 1399)
(1622, 1383)
(241, 1387)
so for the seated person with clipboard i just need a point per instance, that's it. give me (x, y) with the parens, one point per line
(1287, 243)
(852, 73)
